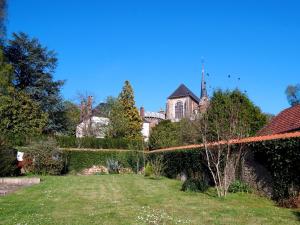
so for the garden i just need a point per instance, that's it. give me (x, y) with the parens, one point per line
(134, 199)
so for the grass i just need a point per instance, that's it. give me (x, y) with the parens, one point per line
(133, 199)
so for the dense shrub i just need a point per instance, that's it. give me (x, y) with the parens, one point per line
(98, 143)
(239, 186)
(78, 160)
(8, 161)
(44, 157)
(165, 134)
(194, 185)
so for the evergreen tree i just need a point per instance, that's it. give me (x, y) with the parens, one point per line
(126, 99)
(125, 119)
(20, 116)
(33, 67)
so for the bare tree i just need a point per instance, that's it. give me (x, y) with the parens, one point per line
(219, 126)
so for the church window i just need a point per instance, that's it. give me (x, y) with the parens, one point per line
(179, 110)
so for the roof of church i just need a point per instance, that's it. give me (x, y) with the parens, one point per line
(286, 121)
(183, 91)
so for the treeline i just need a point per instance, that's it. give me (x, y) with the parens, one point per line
(31, 103)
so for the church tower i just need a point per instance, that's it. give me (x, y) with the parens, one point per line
(204, 101)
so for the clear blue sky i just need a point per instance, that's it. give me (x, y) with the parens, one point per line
(159, 44)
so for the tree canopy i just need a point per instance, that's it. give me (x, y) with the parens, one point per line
(293, 94)
(165, 134)
(33, 67)
(225, 105)
(20, 115)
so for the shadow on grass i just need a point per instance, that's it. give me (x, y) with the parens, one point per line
(297, 214)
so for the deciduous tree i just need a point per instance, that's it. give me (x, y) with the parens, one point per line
(230, 115)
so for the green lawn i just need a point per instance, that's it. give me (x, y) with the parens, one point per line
(133, 199)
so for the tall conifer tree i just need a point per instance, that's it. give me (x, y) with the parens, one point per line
(126, 99)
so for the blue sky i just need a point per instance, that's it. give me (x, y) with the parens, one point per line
(157, 45)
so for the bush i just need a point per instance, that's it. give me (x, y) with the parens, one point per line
(78, 160)
(194, 185)
(113, 166)
(8, 161)
(239, 186)
(44, 157)
(148, 170)
(158, 166)
(99, 143)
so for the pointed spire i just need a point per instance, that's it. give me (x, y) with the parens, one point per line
(203, 83)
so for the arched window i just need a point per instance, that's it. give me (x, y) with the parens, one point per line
(179, 110)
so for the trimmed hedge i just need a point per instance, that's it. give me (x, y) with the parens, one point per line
(98, 143)
(78, 160)
(282, 159)
(190, 162)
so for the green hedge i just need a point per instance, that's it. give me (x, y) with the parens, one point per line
(97, 143)
(282, 159)
(190, 162)
(78, 160)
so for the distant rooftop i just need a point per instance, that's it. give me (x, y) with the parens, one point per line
(286, 121)
(183, 91)
(155, 115)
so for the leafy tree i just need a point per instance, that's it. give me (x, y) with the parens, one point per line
(293, 94)
(20, 116)
(72, 114)
(33, 67)
(125, 119)
(249, 114)
(230, 115)
(165, 134)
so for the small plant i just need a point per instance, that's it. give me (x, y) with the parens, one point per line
(113, 166)
(194, 185)
(158, 166)
(239, 186)
(148, 170)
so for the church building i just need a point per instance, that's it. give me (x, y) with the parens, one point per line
(183, 103)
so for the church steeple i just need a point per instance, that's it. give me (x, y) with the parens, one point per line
(203, 84)
(204, 101)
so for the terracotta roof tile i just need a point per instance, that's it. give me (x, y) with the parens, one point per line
(286, 121)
